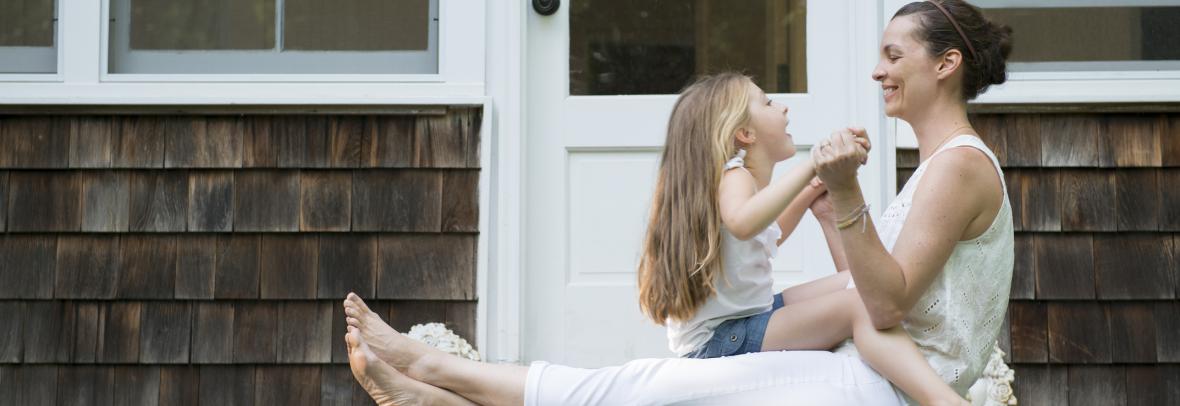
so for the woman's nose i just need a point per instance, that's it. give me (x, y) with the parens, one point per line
(878, 74)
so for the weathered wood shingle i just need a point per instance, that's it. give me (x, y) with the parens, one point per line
(401, 201)
(266, 201)
(200, 142)
(106, 201)
(147, 267)
(196, 267)
(43, 201)
(28, 265)
(35, 142)
(325, 201)
(347, 263)
(288, 266)
(87, 266)
(210, 201)
(426, 267)
(159, 201)
(1065, 266)
(1133, 266)
(90, 141)
(139, 142)
(165, 333)
(1078, 333)
(48, 332)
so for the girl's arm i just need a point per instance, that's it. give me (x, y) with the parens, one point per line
(745, 213)
(789, 219)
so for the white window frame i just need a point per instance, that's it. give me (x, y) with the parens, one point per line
(107, 52)
(82, 76)
(27, 52)
(1068, 85)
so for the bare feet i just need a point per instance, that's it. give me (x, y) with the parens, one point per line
(397, 350)
(383, 383)
(387, 386)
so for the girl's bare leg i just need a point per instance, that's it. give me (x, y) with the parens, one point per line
(485, 384)
(388, 387)
(823, 322)
(816, 288)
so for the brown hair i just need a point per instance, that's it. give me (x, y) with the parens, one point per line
(682, 250)
(985, 57)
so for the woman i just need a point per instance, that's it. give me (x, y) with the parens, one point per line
(943, 274)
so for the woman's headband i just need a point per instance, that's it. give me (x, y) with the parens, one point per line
(955, 24)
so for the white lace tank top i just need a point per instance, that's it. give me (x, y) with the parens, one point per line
(745, 287)
(956, 322)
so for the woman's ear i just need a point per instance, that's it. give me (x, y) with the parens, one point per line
(951, 61)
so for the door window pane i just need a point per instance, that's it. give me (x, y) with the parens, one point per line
(620, 47)
(1092, 38)
(274, 36)
(28, 31)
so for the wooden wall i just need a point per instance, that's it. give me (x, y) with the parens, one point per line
(1094, 317)
(200, 258)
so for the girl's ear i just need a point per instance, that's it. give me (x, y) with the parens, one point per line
(744, 136)
(949, 63)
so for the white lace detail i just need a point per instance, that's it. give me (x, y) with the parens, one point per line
(956, 322)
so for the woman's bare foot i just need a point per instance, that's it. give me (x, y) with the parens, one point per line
(387, 386)
(397, 350)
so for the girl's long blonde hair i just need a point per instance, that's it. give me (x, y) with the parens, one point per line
(682, 250)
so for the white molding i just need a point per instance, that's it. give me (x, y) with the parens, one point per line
(233, 93)
(501, 304)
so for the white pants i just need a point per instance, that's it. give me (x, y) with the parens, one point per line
(765, 378)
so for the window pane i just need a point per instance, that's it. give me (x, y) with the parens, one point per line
(202, 24)
(26, 23)
(356, 25)
(658, 46)
(27, 36)
(274, 37)
(1098, 38)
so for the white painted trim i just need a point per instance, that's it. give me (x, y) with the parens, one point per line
(500, 324)
(233, 93)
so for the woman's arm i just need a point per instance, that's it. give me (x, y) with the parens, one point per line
(890, 284)
(745, 213)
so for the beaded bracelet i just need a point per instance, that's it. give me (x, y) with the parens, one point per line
(858, 213)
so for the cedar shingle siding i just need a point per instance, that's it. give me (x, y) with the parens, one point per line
(1094, 317)
(200, 258)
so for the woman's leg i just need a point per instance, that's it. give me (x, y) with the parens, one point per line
(485, 384)
(823, 322)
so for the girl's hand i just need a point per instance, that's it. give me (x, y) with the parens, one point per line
(822, 209)
(837, 158)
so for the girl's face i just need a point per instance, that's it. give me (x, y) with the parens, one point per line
(768, 122)
(908, 75)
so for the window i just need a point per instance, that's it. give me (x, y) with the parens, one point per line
(620, 47)
(274, 36)
(1091, 35)
(28, 36)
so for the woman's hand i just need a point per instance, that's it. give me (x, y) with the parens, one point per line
(837, 158)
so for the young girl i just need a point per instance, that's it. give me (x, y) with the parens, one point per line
(717, 220)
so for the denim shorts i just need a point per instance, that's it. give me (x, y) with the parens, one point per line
(738, 336)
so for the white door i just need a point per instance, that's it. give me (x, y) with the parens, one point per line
(601, 80)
